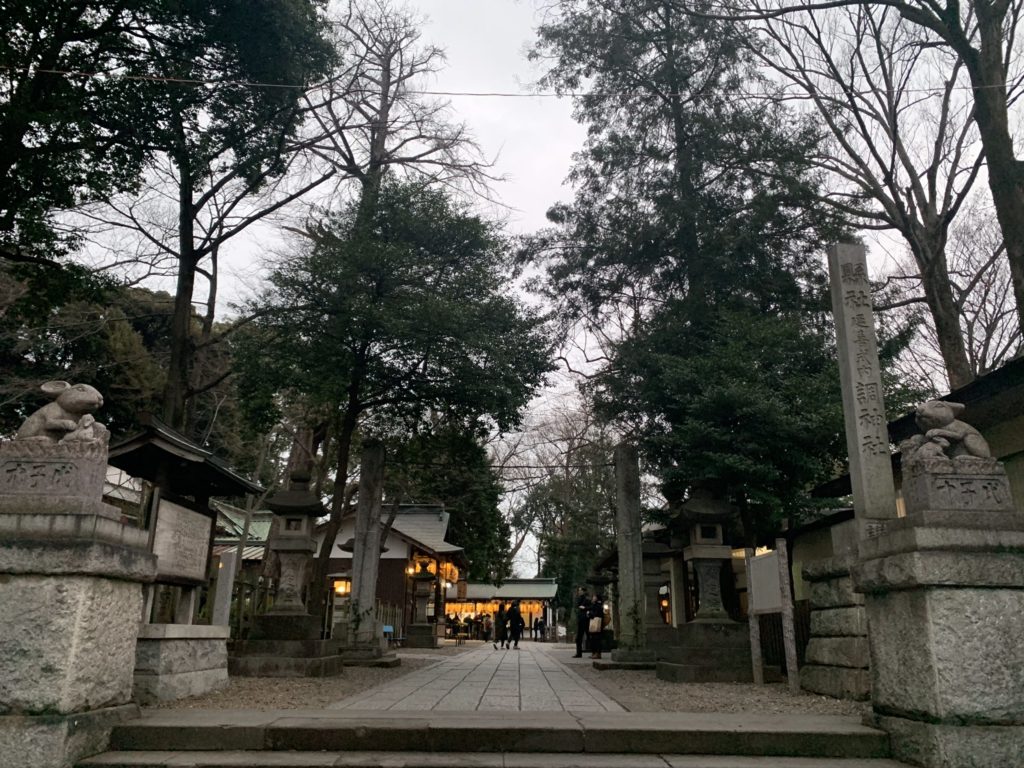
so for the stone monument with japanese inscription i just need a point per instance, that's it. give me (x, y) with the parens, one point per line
(860, 376)
(72, 593)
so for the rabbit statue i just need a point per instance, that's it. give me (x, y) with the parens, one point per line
(68, 419)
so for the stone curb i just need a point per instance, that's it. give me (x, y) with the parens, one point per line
(635, 733)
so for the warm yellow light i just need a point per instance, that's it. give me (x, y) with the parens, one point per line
(411, 570)
(342, 587)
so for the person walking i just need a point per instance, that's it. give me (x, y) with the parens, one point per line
(595, 617)
(516, 624)
(582, 610)
(500, 627)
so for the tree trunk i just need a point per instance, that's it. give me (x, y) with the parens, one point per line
(988, 79)
(945, 312)
(179, 368)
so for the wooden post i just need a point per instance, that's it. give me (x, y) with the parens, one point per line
(755, 625)
(788, 628)
(366, 546)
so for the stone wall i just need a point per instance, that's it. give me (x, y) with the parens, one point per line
(837, 657)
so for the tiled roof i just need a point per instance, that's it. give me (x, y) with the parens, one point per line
(249, 553)
(231, 520)
(424, 525)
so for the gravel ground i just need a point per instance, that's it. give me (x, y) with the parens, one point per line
(263, 693)
(641, 691)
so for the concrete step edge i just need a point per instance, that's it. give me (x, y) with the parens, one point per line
(364, 759)
(502, 734)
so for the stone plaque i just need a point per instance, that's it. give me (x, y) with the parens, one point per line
(957, 491)
(181, 543)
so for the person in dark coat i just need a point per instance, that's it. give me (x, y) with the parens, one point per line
(500, 628)
(596, 611)
(516, 623)
(582, 609)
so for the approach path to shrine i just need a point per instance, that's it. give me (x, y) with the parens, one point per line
(531, 679)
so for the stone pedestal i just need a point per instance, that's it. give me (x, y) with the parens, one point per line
(708, 652)
(422, 636)
(71, 577)
(173, 661)
(285, 645)
(837, 660)
(944, 596)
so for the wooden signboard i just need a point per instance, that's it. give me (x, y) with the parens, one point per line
(181, 543)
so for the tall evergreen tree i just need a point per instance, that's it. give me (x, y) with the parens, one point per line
(392, 315)
(694, 246)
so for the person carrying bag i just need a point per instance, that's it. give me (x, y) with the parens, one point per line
(595, 626)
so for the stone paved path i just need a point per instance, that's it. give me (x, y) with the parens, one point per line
(532, 679)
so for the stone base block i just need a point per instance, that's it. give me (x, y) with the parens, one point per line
(954, 746)
(385, 660)
(660, 635)
(421, 636)
(67, 643)
(58, 741)
(707, 652)
(627, 656)
(849, 652)
(603, 666)
(951, 653)
(836, 592)
(837, 682)
(839, 622)
(152, 688)
(297, 648)
(287, 626)
(285, 666)
(173, 661)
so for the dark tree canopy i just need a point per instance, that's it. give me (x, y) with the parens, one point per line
(88, 91)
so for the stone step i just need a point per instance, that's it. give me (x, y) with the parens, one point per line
(247, 759)
(518, 732)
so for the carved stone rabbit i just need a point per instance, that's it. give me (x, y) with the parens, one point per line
(945, 435)
(67, 419)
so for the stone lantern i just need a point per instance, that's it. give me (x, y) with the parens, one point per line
(421, 633)
(297, 509)
(706, 516)
(285, 641)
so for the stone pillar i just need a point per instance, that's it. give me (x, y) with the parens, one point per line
(944, 597)
(72, 576)
(366, 548)
(860, 376)
(225, 587)
(631, 640)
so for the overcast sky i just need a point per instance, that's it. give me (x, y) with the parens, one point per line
(533, 137)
